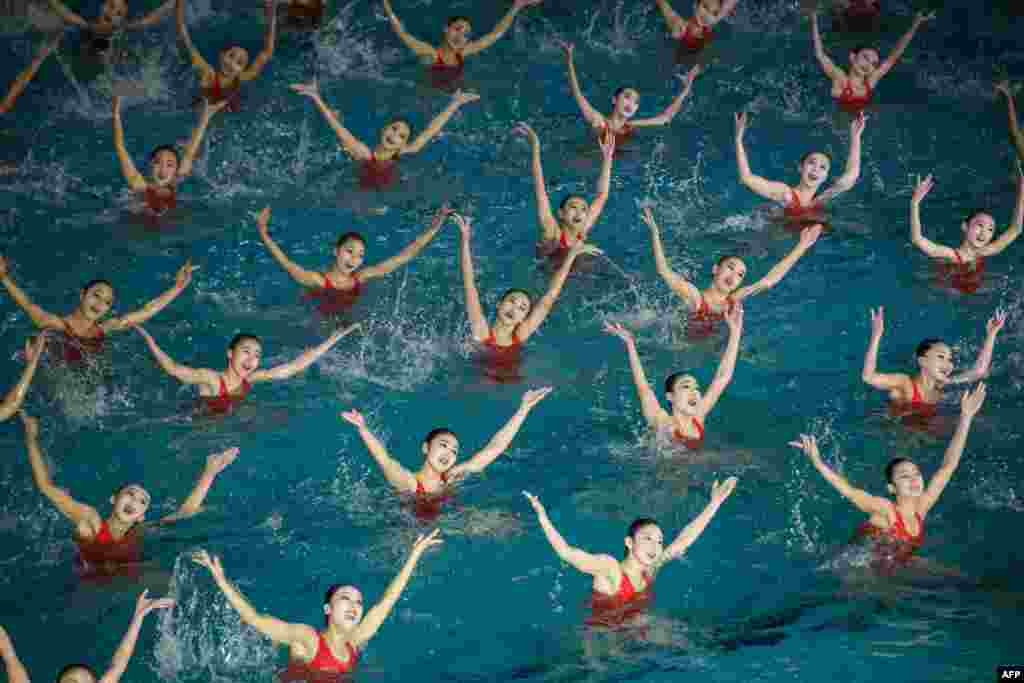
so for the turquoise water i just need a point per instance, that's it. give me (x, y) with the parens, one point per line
(764, 594)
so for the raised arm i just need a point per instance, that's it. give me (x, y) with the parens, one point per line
(67, 15)
(540, 310)
(1012, 231)
(181, 281)
(769, 189)
(187, 159)
(827, 65)
(500, 442)
(15, 669)
(410, 250)
(303, 361)
(901, 47)
(198, 63)
(376, 615)
(123, 655)
(352, 145)
(676, 282)
(152, 17)
(587, 563)
(863, 500)
(430, 132)
(182, 373)
(300, 638)
(549, 228)
(40, 318)
(306, 278)
(970, 404)
(676, 24)
(851, 173)
(422, 49)
(78, 513)
(870, 373)
(1014, 126)
(399, 477)
(675, 105)
(29, 72)
(604, 181)
(499, 30)
(215, 464)
(131, 174)
(984, 361)
(916, 233)
(16, 396)
(474, 311)
(649, 406)
(726, 366)
(693, 530)
(808, 236)
(592, 115)
(254, 69)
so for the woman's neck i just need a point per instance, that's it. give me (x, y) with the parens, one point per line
(118, 529)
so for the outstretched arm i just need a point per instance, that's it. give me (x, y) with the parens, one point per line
(500, 442)
(153, 17)
(423, 50)
(499, 30)
(187, 159)
(474, 311)
(306, 278)
(411, 249)
(970, 404)
(769, 189)
(15, 669)
(549, 228)
(649, 406)
(726, 366)
(78, 513)
(693, 530)
(851, 173)
(676, 282)
(580, 559)
(376, 615)
(870, 374)
(40, 318)
(901, 47)
(123, 655)
(399, 477)
(676, 24)
(300, 638)
(674, 106)
(808, 236)
(1012, 232)
(1011, 111)
(541, 309)
(215, 464)
(29, 72)
(184, 374)
(307, 358)
(863, 500)
(181, 281)
(430, 132)
(592, 115)
(604, 181)
(916, 233)
(68, 15)
(352, 145)
(827, 65)
(254, 69)
(984, 361)
(16, 396)
(131, 174)
(198, 63)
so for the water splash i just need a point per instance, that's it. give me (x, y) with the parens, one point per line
(345, 50)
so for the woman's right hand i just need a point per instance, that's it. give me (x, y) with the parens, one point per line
(618, 330)
(211, 562)
(523, 128)
(535, 502)
(311, 89)
(741, 124)
(877, 321)
(354, 417)
(923, 187)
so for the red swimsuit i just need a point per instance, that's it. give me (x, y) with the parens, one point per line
(217, 93)
(376, 174)
(427, 506)
(446, 76)
(894, 546)
(622, 135)
(852, 103)
(324, 666)
(223, 403)
(704, 321)
(914, 412)
(103, 557)
(696, 36)
(501, 363)
(77, 349)
(961, 276)
(334, 301)
(796, 209)
(158, 202)
(690, 442)
(614, 610)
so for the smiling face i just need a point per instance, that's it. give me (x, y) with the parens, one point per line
(441, 452)
(685, 395)
(646, 544)
(513, 308)
(349, 256)
(345, 609)
(864, 62)
(906, 480)
(164, 167)
(456, 35)
(728, 274)
(244, 358)
(130, 504)
(937, 362)
(706, 12)
(979, 229)
(573, 213)
(233, 62)
(113, 12)
(395, 135)
(814, 169)
(96, 301)
(626, 102)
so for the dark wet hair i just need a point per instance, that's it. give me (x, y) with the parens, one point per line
(399, 120)
(329, 595)
(459, 17)
(670, 385)
(824, 154)
(621, 90)
(434, 433)
(239, 338)
(926, 346)
(165, 148)
(857, 49)
(569, 199)
(726, 258)
(72, 667)
(99, 281)
(974, 214)
(638, 524)
(348, 236)
(893, 464)
(509, 292)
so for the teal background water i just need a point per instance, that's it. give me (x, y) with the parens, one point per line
(765, 594)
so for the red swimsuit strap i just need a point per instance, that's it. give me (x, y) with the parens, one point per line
(699, 427)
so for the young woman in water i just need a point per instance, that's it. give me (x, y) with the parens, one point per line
(625, 102)
(339, 286)
(103, 544)
(852, 91)
(379, 166)
(620, 587)
(220, 391)
(81, 673)
(708, 306)
(167, 168)
(965, 265)
(440, 449)
(690, 408)
(99, 33)
(803, 200)
(575, 216)
(16, 396)
(224, 83)
(696, 32)
(919, 394)
(1016, 136)
(84, 331)
(336, 648)
(897, 526)
(29, 72)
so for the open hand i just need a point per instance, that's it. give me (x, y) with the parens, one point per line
(923, 187)
(618, 330)
(311, 89)
(741, 124)
(996, 322)
(722, 490)
(354, 417)
(216, 463)
(877, 321)
(970, 401)
(144, 605)
(211, 562)
(184, 275)
(808, 444)
(535, 396)
(810, 235)
(424, 541)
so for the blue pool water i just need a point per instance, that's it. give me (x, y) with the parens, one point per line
(765, 594)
